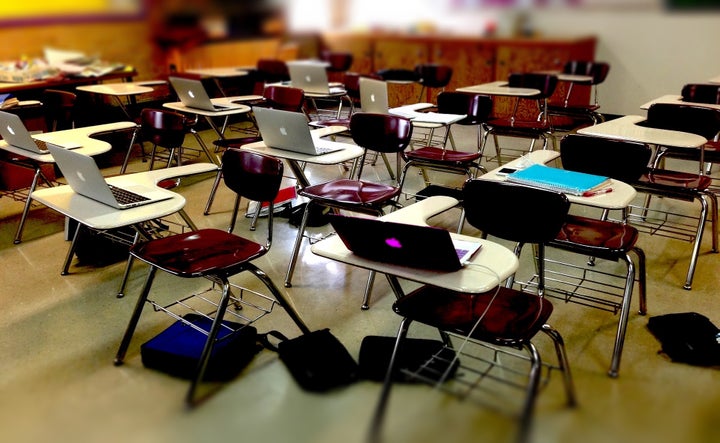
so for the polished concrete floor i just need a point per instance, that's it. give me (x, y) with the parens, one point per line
(59, 334)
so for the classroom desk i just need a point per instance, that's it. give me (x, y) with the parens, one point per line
(237, 109)
(90, 146)
(499, 88)
(627, 128)
(117, 91)
(677, 100)
(492, 265)
(33, 90)
(296, 159)
(621, 196)
(229, 71)
(101, 217)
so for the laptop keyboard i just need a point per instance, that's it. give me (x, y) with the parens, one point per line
(322, 147)
(125, 197)
(41, 144)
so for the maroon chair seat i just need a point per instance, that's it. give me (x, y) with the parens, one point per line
(432, 154)
(199, 253)
(353, 194)
(511, 318)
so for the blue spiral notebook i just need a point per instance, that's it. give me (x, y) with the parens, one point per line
(555, 179)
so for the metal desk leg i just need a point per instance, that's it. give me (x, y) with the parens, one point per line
(28, 201)
(71, 250)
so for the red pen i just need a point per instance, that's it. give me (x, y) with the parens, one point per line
(596, 192)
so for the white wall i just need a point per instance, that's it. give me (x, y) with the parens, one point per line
(651, 53)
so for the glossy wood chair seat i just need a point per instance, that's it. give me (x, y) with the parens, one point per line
(215, 255)
(165, 129)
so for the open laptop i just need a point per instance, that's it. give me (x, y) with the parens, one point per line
(85, 178)
(290, 131)
(192, 94)
(402, 244)
(14, 132)
(373, 96)
(312, 78)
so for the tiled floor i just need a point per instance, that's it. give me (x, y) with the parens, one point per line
(58, 337)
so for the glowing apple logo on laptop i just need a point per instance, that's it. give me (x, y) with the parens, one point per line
(372, 98)
(190, 93)
(393, 243)
(10, 130)
(308, 78)
(283, 131)
(80, 175)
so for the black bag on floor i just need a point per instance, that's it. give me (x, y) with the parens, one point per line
(687, 337)
(176, 350)
(318, 361)
(413, 356)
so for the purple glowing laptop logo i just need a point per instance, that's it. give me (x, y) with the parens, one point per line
(393, 243)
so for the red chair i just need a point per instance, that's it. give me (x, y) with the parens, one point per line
(575, 115)
(540, 127)
(277, 97)
(503, 320)
(432, 75)
(382, 133)
(215, 255)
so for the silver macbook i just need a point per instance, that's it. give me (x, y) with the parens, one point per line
(290, 131)
(14, 132)
(373, 96)
(312, 78)
(85, 178)
(192, 94)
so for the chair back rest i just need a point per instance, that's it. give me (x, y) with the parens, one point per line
(476, 107)
(397, 74)
(272, 70)
(699, 120)
(619, 159)
(701, 93)
(251, 175)
(284, 98)
(545, 83)
(433, 76)
(351, 80)
(597, 70)
(337, 61)
(380, 132)
(58, 108)
(163, 127)
(513, 212)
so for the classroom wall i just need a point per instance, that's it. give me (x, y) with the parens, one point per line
(651, 53)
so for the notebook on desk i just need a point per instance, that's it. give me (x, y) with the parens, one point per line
(414, 246)
(373, 96)
(312, 78)
(290, 131)
(192, 94)
(14, 132)
(560, 180)
(85, 178)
